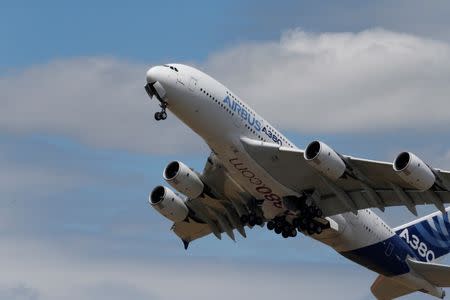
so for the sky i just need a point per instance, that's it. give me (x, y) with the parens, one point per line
(80, 150)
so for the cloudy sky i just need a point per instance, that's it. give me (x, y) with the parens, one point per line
(79, 149)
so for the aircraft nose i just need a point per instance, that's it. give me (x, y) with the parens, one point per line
(152, 74)
(155, 80)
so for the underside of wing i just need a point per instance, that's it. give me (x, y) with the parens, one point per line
(346, 184)
(189, 231)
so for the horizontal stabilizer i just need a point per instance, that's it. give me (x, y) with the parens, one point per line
(385, 288)
(436, 274)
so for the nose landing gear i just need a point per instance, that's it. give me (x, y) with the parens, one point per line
(161, 115)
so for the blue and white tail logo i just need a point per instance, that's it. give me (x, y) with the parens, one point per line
(428, 237)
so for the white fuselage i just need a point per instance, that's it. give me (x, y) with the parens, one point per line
(221, 118)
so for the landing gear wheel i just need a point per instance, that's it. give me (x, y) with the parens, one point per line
(161, 115)
(285, 234)
(270, 225)
(277, 230)
(294, 233)
(311, 211)
(318, 230)
(278, 225)
(318, 213)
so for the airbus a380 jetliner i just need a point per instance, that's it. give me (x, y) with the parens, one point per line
(256, 176)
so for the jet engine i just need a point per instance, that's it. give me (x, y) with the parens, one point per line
(325, 160)
(169, 204)
(183, 179)
(414, 171)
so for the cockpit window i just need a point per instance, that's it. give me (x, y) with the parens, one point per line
(171, 67)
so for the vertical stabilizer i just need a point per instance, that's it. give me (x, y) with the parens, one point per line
(428, 237)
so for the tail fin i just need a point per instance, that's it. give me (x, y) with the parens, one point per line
(428, 237)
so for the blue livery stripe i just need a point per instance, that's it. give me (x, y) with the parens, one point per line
(429, 238)
(387, 257)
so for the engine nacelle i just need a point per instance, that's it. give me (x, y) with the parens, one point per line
(169, 204)
(183, 179)
(325, 160)
(414, 171)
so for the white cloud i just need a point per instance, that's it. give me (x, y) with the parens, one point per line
(21, 179)
(310, 83)
(23, 183)
(99, 101)
(342, 82)
(18, 292)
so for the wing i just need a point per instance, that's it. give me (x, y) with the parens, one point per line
(219, 210)
(367, 183)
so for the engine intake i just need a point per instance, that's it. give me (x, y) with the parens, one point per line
(325, 160)
(169, 204)
(414, 171)
(183, 179)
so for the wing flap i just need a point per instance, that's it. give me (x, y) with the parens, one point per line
(189, 231)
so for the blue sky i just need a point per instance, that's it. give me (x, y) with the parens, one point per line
(79, 150)
(143, 30)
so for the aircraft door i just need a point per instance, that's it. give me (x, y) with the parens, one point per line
(192, 84)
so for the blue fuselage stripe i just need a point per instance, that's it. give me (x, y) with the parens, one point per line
(387, 257)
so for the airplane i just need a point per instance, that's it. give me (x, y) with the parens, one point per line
(255, 176)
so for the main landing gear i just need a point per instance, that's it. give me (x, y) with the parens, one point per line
(161, 115)
(304, 222)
